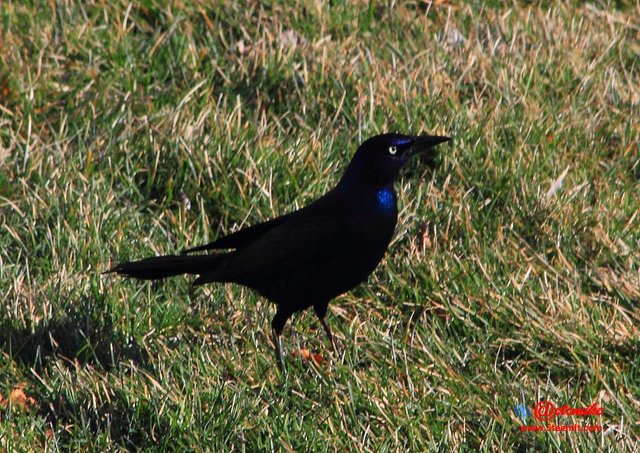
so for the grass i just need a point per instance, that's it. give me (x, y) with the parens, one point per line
(514, 275)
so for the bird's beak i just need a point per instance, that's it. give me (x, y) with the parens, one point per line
(424, 142)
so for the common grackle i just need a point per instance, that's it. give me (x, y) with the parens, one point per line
(306, 258)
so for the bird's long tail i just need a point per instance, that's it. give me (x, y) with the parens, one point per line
(167, 266)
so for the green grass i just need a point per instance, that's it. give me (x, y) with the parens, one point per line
(126, 132)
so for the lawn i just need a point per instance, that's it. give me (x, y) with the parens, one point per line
(513, 276)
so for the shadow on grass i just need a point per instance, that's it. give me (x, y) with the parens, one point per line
(84, 335)
(80, 335)
(131, 426)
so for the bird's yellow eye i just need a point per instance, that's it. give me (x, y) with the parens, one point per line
(393, 150)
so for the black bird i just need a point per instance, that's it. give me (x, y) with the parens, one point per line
(306, 258)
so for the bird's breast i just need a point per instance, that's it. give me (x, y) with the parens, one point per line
(372, 227)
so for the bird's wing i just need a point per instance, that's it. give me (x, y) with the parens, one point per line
(242, 237)
(311, 236)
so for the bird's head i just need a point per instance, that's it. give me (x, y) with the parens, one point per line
(379, 159)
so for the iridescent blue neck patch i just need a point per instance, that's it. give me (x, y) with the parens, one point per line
(385, 199)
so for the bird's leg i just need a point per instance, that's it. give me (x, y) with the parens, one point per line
(278, 349)
(321, 311)
(328, 331)
(277, 325)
